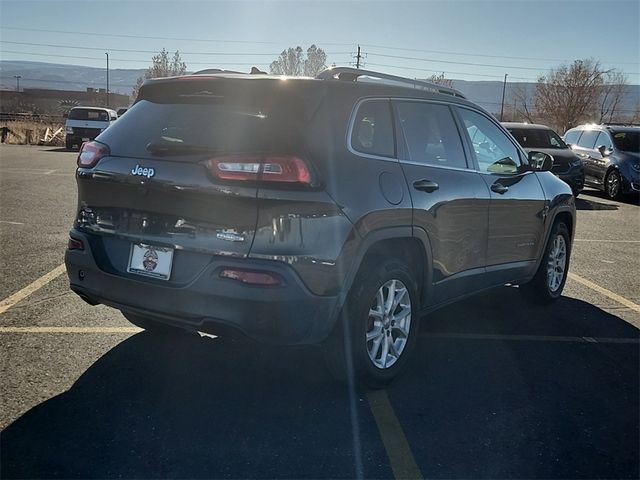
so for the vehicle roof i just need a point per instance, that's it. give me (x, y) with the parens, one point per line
(533, 126)
(93, 108)
(362, 88)
(616, 128)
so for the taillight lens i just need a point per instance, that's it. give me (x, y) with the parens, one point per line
(75, 244)
(91, 153)
(267, 168)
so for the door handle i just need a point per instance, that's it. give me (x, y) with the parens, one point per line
(426, 186)
(499, 188)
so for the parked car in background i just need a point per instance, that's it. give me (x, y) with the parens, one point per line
(566, 164)
(331, 211)
(84, 124)
(611, 156)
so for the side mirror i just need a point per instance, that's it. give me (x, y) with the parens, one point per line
(604, 151)
(540, 161)
(570, 145)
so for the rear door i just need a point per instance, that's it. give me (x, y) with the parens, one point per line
(585, 149)
(450, 200)
(518, 208)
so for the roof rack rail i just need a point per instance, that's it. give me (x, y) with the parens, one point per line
(350, 74)
(213, 71)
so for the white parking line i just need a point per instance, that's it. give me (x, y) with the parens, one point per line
(20, 295)
(603, 291)
(11, 223)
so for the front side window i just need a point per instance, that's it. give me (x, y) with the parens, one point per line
(494, 151)
(372, 131)
(431, 135)
(603, 139)
(627, 141)
(588, 139)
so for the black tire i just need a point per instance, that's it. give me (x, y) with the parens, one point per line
(538, 290)
(68, 145)
(346, 350)
(613, 185)
(153, 326)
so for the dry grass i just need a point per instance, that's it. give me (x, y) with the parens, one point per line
(32, 132)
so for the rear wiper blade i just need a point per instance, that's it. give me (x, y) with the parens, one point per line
(160, 147)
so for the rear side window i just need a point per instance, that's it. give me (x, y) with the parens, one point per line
(572, 136)
(88, 114)
(588, 139)
(431, 135)
(372, 131)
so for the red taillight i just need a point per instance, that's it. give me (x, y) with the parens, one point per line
(75, 244)
(251, 277)
(265, 168)
(90, 153)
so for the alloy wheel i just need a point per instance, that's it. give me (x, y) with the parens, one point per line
(556, 263)
(389, 324)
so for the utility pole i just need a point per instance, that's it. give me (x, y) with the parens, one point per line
(504, 87)
(358, 56)
(18, 77)
(107, 54)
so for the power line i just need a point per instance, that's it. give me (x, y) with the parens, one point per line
(122, 35)
(76, 47)
(482, 55)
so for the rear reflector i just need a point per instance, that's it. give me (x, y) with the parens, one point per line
(268, 168)
(90, 153)
(251, 277)
(75, 244)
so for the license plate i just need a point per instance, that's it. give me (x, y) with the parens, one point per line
(150, 261)
(86, 139)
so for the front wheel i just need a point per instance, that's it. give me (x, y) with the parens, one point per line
(377, 331)
(613, 185)
(548, 283)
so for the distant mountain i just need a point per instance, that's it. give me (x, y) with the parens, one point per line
(65, 77)
(76, 77)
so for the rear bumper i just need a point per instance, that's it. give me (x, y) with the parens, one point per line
(75, 139)
(288, 314)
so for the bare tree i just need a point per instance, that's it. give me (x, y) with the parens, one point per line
(441, 80)
(315, 62)
(292, 62)
(567, 94)
(523, 102)
(162, 66)
(611, 94)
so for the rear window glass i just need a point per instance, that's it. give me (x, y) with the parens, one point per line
(588, 138)
(537, 138)
(211, 122)
(88, 114)
(372, 129)
(627, 141)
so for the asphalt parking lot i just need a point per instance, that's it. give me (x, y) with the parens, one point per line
(497, 389)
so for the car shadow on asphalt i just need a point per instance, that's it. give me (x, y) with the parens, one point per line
(589, 194)
(58, 149)
(496, 389)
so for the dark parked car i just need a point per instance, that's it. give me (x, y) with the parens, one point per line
(332, 211)
(611, 156)
(566, 164)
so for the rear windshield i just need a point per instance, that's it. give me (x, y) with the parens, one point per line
(212, 120)
(537, 138)
(627, 141)
(88, 114)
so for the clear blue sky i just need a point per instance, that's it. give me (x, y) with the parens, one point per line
(536, 35)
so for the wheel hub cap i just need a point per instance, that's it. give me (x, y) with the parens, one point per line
(388, 324)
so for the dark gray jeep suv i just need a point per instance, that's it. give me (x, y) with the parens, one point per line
(335, 211)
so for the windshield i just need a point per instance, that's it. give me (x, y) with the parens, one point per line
(88, 114)
(627, 141)
(537, 138)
